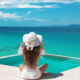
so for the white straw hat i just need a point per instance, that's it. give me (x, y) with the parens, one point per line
(31, 40)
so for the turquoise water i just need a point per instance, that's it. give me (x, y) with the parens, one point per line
(55, 64)
(58, 41)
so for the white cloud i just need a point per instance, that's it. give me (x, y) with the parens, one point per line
(22, 2)
(4, 2)
(28, 6)
(26, 3)
(60, 1)
(9, 15)
(57, 1)
(14, 16)
(36, 6)
(51, 6)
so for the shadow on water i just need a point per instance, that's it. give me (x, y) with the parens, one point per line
(9, 48)
(2, 50)
(12, 47)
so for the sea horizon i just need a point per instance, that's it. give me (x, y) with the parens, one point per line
(53, 26)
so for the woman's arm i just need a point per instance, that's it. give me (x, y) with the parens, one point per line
(20, 51)
(42, 49)
(42, 45)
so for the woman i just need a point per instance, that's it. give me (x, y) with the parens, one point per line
(31, 49)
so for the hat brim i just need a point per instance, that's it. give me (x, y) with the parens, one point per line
(26, 37)
(39, 37)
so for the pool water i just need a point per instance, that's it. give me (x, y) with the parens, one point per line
(55, 64)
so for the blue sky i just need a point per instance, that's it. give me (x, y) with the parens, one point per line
(29, 13)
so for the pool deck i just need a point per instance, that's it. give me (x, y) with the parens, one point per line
(13, 73)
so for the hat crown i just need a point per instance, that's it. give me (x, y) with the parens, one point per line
(32, 36)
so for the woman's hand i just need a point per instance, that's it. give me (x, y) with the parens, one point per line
(22, 44)
(42, 45)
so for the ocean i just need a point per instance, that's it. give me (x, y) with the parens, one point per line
(58, 41)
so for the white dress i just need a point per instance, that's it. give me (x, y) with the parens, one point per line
(30, 73)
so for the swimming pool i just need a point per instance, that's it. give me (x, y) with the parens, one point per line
(58, 41)
(56, 64)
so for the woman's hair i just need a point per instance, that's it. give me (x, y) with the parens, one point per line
(31, 57)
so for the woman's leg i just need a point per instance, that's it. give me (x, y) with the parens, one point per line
(43, 68)
(21, 67)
